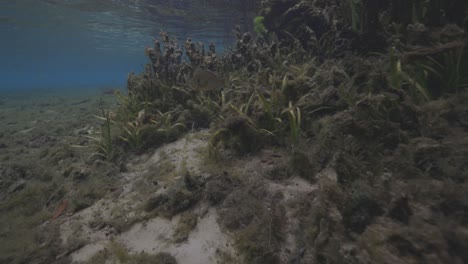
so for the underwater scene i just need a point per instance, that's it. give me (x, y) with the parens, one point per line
(233, 131)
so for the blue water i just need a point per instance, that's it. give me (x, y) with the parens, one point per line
(96, 43)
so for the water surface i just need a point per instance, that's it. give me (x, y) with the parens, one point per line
(95, 43)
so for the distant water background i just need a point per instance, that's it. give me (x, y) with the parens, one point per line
(79, 44)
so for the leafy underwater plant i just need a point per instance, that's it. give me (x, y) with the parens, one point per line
(295, 119)
(259, 27)
(434, 72)
(213, 106)
(103, 141)
(129, 105)
(164, 122)
(449, 70)
(271, 106)
(398, 77)
(357, 15)
(133, 135)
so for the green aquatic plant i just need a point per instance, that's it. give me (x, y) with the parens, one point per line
(419, 11)
(244, 109)
(427, 12)
(243, 113)
(213, 106)
(348, 95)
(266, 105)
(357, 14)
(269, 107)
(295, 119)
(129, 105)
(132, 135)
(271, 102)
(165, 122)
(449, 69)
(433, 73)
(103, 140)
(398, 78)
(259, 27)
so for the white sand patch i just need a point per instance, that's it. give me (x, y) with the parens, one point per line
(83, 254)
(155, 235)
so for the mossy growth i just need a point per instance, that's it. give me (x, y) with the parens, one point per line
(218, 188)
(258, 230)
(238, 134)
(181, 196)
(20, 214)
(187, 222)
(142, 137)
(312, 212)
(361, 207)
(183, 192)
(123, 219)
(90, 190)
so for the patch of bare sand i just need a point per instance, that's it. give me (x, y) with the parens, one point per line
(90, 227)
(203, 245)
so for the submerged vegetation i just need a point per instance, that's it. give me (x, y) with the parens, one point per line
(348, 88)
(103, 141)
(263, 83)
(259, 27)
(365, 101)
